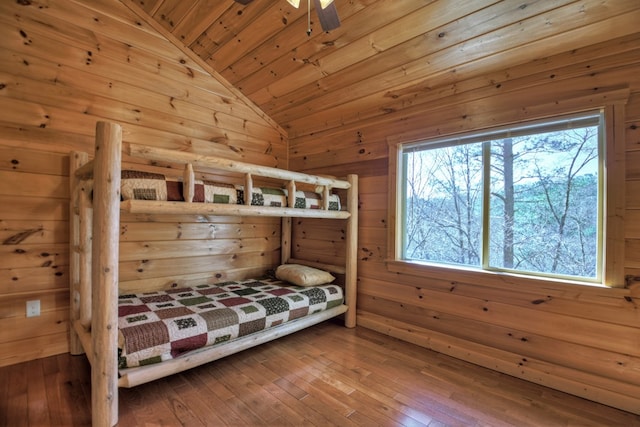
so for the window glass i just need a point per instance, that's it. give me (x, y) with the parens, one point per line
(525, 199)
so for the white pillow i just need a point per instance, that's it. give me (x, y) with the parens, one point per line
(302, 275)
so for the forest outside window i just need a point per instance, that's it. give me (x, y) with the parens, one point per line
(527, 199)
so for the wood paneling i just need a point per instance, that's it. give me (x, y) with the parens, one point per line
(400, 70)
(63, 66)
(580, 339)
(386, 56)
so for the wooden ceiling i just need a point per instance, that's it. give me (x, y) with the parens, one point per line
(386, 56)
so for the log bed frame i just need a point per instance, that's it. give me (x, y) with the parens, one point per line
(94, 240)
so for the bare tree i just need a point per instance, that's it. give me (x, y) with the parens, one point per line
(581, 152)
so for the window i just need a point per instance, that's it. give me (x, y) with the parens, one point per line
(527, 199)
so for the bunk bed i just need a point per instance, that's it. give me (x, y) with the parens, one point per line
(97, 199)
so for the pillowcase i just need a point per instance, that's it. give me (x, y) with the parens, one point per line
(302, 275)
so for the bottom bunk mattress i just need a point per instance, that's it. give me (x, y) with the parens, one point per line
(158, 326)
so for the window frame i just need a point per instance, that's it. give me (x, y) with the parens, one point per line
(612, 255)
(482, 140)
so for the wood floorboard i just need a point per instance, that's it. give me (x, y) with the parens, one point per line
(36, 394)
(323, 376)
(4, 395)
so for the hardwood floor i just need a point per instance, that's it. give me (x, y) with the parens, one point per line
(325, 375)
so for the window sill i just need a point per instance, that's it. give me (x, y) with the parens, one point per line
(494, 279)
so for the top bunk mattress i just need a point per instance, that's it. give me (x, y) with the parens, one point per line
(163, 325)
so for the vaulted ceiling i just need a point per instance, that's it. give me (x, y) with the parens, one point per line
(387, 54)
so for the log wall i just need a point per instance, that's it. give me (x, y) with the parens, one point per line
(63, 66)
(581, 339)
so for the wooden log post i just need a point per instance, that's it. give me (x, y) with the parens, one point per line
(86, 225)
(291, 194)
(77, 160)
(188, 183)
(248, 189)
(106, 220)
(351, 256)
(285, 240)
(287, 225)
(326, 192)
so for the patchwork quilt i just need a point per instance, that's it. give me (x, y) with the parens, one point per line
(137, 185)
(163, 325)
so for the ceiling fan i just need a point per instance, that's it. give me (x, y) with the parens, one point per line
(326, 10)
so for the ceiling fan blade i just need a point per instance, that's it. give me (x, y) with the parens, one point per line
(329, 19)
(245, 2)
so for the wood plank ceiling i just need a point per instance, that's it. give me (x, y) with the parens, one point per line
(387, 55)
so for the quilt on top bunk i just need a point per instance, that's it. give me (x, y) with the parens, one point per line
(162, 325)
(137, 185)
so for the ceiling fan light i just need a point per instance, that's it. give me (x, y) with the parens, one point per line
(324, 3)
(294, 3)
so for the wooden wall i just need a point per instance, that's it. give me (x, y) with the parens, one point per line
(66, 64)
(581, 339)
(63, 66)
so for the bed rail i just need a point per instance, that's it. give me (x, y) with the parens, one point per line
(221, 164)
